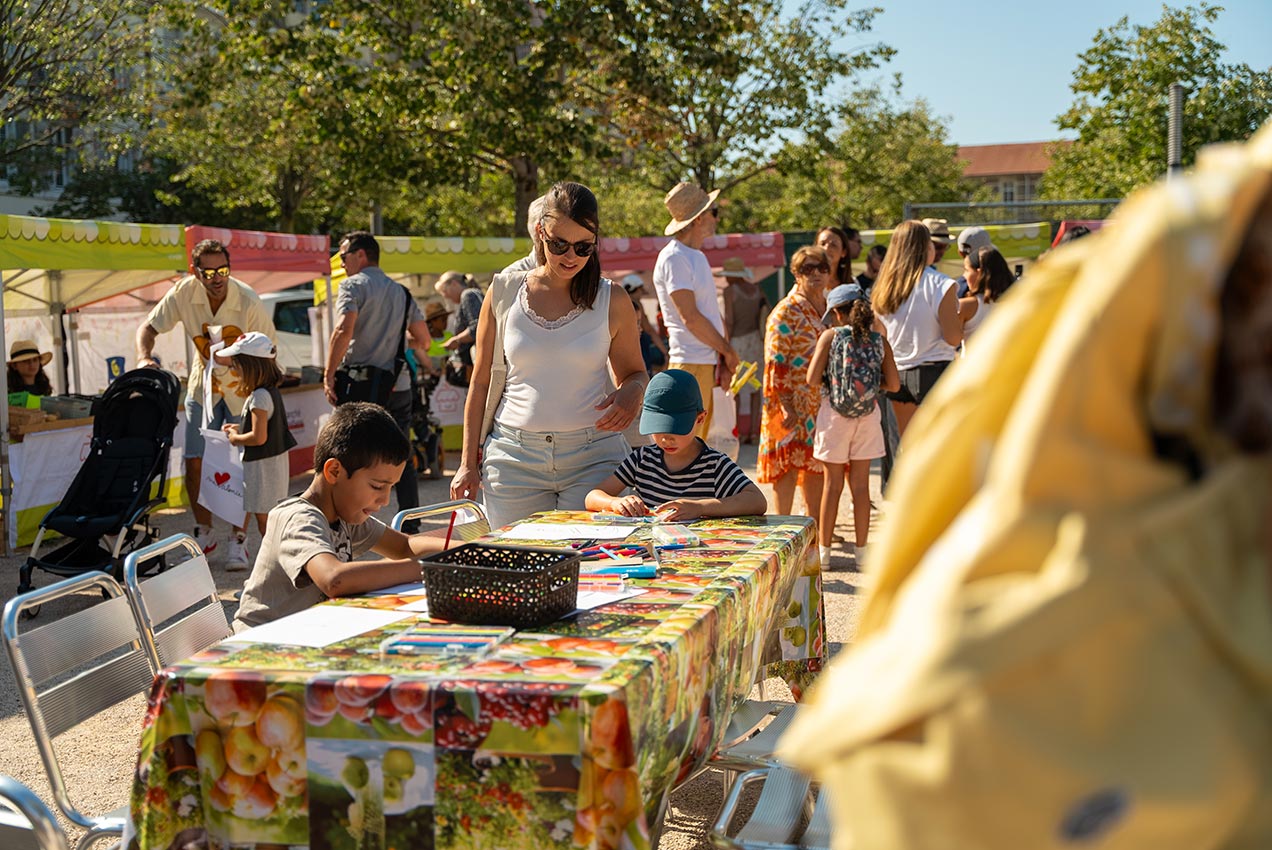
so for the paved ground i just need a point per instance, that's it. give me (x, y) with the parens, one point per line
(99, 757)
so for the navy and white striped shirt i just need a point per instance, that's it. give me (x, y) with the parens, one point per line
(712, 475)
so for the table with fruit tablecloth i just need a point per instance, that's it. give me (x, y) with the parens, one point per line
(565, 735)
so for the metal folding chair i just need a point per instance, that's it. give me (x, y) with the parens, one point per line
(784, 816)
(468, 530)
(72, 668)
(25, 822)
(178, 609)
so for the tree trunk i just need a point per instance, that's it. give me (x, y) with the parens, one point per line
(525, 182)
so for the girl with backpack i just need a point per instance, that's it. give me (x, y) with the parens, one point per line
(852, 363)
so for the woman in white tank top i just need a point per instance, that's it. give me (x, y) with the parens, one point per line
(918, 307)
(557, 429)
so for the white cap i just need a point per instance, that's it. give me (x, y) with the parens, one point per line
(253, 343)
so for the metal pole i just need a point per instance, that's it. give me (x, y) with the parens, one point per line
(906, 211)
(1175, 131)
(72, 319)
(6, 484)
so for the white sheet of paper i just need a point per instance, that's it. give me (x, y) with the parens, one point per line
(559, 531)
(414, 588)
(321, 625)
(419, 606)
(589, 599)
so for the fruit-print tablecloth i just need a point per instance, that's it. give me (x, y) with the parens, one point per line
(567, 736)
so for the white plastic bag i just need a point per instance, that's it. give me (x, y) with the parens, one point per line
(723, 436)
(221, 483)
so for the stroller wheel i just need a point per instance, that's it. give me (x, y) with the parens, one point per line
(32, 613)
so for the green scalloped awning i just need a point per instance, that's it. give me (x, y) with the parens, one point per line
(74, 262)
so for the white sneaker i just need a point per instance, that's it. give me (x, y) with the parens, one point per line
(237, 559)
(206, 538)
(825, 556)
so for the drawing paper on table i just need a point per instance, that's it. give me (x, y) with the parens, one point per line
(419, 606)
(589, 599)
(564, 531)
(321, 625)
(415, 588)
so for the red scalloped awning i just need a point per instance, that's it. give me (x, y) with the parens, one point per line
(638, 254)
(268, 261)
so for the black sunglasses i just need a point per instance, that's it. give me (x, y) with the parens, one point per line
(810, 268)
(558, 247)
(213, 274)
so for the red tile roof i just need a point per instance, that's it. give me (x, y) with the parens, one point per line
(995, 160)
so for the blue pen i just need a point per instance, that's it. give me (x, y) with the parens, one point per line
(672, 546)
(630, 571)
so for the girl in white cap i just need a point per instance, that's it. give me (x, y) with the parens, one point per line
(263, 435)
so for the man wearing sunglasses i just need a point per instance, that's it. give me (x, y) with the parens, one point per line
(211, 306)
(687, 293)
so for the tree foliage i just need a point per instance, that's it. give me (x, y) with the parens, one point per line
(1121, 89)
(64, 64)
(710, 84)
(882, 153)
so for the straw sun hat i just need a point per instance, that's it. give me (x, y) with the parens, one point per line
(25, 349)
(686, 202)
(735, 267)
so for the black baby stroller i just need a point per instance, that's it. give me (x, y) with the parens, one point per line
(426, 431)
(106, 510)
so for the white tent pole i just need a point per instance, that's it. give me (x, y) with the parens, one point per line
(72, 319)
(6, 485)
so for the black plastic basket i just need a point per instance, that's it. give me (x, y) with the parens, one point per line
(485, 584)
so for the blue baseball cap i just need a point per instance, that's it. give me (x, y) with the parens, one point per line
(672, 403)
(841, 295)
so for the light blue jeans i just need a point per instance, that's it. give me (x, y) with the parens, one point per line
(523, 472)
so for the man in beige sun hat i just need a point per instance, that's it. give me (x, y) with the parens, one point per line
(687, 292)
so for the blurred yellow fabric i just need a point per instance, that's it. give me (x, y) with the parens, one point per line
(1068, 640)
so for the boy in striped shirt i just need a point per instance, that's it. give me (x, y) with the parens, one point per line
(679, 477)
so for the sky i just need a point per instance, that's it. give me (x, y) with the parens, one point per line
(999, 70)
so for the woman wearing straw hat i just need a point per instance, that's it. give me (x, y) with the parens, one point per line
(745, 312)
(26, 368)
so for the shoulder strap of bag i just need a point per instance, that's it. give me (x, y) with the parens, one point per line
(400, 359)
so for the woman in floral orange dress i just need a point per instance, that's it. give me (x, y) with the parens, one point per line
(790, 404)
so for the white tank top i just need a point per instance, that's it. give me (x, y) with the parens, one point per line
(557, 371)
(913, 330)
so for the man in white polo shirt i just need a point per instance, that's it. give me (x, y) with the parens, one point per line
(687, 292)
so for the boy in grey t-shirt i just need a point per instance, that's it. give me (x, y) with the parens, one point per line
(311, 540)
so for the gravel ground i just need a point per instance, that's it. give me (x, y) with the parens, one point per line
(98, 758)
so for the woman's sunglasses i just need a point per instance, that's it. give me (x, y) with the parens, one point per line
(213, 274)
(812, 268)
(558, 247)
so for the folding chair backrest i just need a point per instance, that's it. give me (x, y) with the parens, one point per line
(25, 822)
(178, 609)
(779, 814)
(70, 669)
(470, 522)
(817, 836)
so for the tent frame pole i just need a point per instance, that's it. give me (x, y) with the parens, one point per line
(6, 483)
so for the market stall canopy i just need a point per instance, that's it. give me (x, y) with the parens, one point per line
(1091, 224)
(1025, 241)
(49, 261)
(639, 254)
(402, 256)
(267, 262)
